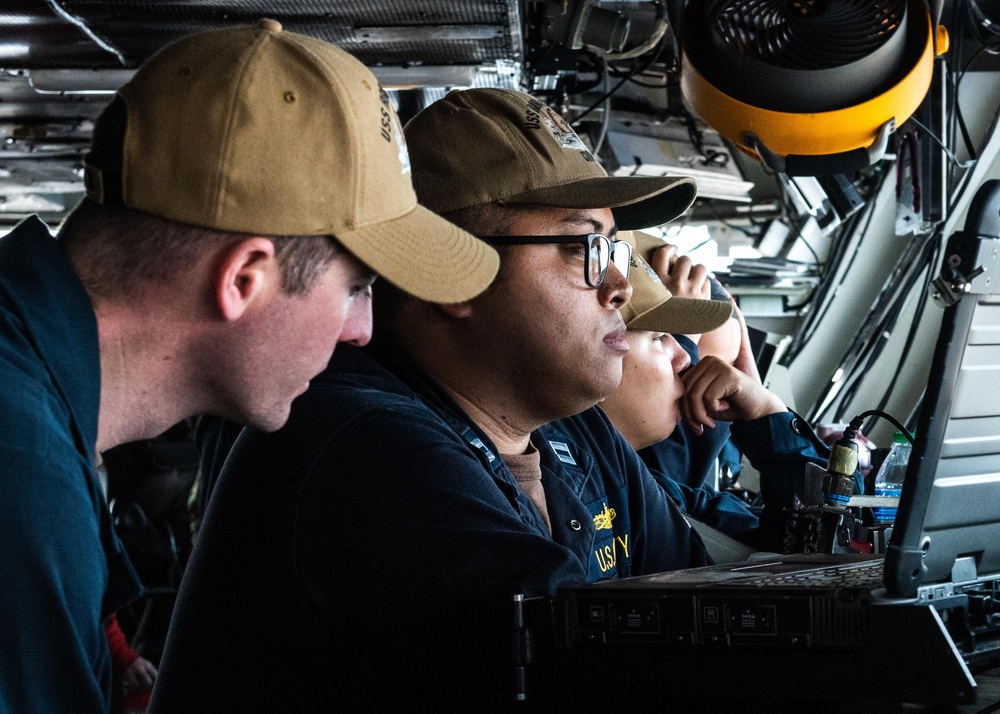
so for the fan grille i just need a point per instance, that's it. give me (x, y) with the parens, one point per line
(806, 34)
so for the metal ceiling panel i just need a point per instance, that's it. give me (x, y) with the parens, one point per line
(87, 46)
(33, 35)
(376, 31)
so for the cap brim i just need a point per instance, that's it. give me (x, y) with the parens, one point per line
(685, 316)
(645, 244)
(426, 256)
(636, 201)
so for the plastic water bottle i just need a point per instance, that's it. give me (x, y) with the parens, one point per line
(889, 479)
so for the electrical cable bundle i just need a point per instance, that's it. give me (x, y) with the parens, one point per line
(869, 343)
(843, 252)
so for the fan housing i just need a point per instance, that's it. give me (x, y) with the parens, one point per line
(809, 87)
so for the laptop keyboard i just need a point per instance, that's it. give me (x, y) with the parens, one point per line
(864, 574)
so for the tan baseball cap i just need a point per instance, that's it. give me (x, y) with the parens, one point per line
(654, 308)
(481, 146)
(261, 131)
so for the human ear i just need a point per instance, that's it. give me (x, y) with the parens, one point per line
(243, 275)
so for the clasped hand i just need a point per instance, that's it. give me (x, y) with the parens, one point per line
(714, 389)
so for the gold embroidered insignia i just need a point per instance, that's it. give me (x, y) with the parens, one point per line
(602, 521)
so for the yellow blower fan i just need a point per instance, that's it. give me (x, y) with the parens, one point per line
(809, 87)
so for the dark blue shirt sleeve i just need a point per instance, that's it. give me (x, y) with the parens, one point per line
(720, 510)
(54, 656)
(779, 446)
(62, 569)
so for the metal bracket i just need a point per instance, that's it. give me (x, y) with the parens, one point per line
(959, 278)
(947, 291)
(963, 570)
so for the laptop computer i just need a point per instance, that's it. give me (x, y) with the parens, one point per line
(903, 627)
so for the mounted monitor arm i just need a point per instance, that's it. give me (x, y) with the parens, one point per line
(965, 284)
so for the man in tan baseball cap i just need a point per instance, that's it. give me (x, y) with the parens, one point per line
(454, 462)
(243, 190)
(676, 406)
(649, 407)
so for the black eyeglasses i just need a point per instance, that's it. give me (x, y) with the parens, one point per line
(601, 252)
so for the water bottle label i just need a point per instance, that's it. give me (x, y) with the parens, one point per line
(885, 514)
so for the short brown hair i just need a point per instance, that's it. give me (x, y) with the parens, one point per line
(119, 249)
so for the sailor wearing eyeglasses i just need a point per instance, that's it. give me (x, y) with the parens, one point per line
(422, 482)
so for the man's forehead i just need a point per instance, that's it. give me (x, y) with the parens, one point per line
(572, 220)
(596, 220)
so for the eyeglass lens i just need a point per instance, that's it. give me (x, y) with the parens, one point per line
(621, 254)
(600, 255)
(598, 258)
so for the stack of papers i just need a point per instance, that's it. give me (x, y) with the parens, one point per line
(769, 271)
